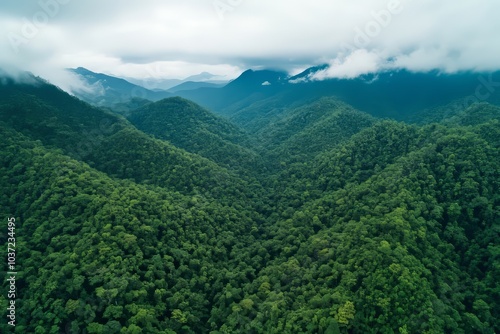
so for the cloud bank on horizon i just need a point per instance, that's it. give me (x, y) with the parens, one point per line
(175, 39)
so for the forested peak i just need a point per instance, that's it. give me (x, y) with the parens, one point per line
(256, 78)
(303, 132)
(195, 129)
(19, 79)
(318, 108)
(179, 114)
(176, 104)
(478, 113)
(26, 86)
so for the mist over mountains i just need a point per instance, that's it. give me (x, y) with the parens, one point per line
(395, 94)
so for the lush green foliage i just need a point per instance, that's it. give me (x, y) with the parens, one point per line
(109, 143)
(302, 133)
(190, 127)
(101, 255)
(357, 225)
(458, 112)
(397, 230)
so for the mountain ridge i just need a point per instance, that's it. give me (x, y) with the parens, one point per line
(107, 91)
(190, 127)
(396, 94)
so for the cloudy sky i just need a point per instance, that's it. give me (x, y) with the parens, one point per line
(178, 38)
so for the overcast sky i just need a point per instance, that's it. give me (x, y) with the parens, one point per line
(178, 38)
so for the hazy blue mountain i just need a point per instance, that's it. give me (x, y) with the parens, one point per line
(205, 77)
(108, 91)
(190, 85)
(395, 94)
(251, 86)
(167, 84)
(304, 75)
(155, 83)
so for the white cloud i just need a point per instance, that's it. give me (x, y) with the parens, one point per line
(298, 80)
(357, 63)
(181, 38)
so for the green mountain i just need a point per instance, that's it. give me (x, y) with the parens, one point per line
(188, 126)
(93, 251)
(394, 231)
(454, 112)
(327, 220)
(301, 133)
(107, 141)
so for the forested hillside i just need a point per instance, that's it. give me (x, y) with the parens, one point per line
(301, 133)
(107, 256)
(190, 127)
(324, 219)
(109, 143)
(395, 231)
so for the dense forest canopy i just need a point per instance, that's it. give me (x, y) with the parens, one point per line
(308, 218)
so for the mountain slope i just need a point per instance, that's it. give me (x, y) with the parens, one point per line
(396, 94)
(107, 141)
(190, 85)
(302, 133)
(188, 126)
(97, 254)
(395, 231)
(457, 113)
(107, 91)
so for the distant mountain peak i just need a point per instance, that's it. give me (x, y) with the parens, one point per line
(108, 90)
(82, 71)
(257, 78)
(305, 75)
(204, 76)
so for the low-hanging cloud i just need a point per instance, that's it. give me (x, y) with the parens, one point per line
(129, 38)
(355, 64)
